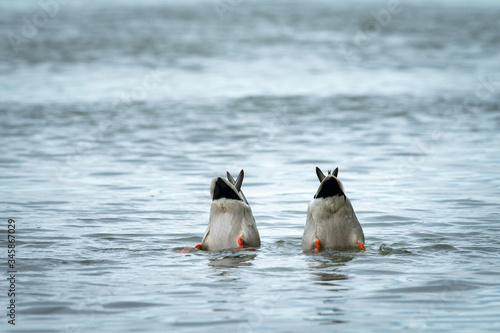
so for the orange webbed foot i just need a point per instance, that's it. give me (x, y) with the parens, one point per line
(362, 246)
(186, 249)
(197, 246)
(317, 245)
(241, 248)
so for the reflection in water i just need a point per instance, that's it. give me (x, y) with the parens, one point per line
(326, 273)
(224, 263)
(325, 268)
(232, 261)
(325, 277)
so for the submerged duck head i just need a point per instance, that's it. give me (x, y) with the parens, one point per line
(330, 185)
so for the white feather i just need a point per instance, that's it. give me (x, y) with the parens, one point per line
(230, 219)
(332, 220)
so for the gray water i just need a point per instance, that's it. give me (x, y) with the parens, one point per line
(115, 116)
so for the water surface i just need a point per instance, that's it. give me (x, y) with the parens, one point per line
(115, 117)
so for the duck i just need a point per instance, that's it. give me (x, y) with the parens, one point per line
(231, 223)
(331, 221)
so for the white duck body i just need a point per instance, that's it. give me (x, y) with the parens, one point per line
(331, 218)
(230, 217)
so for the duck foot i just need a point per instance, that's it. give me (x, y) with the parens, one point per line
(186, 249)
(241, 248)
(362, 246)
(317, 245)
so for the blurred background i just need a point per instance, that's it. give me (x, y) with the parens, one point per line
(116, 115)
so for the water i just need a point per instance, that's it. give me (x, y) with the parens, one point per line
(115, 117)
